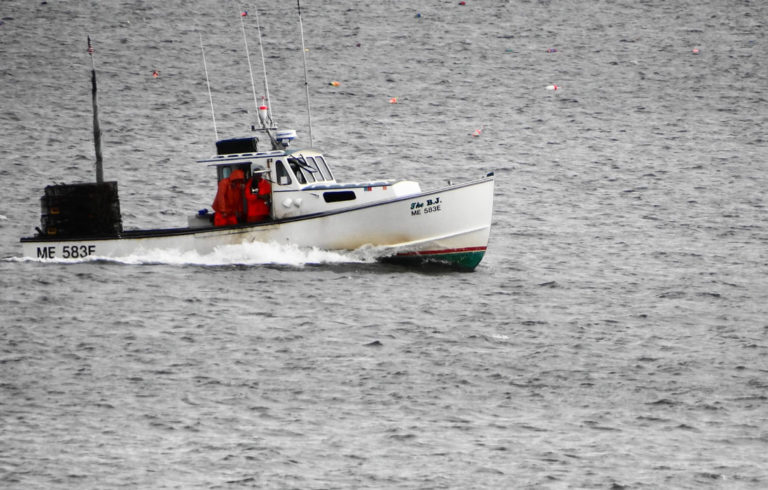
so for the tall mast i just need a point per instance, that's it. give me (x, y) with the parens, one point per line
(96, 128)
(248, 57)
(306, 77)
(208, 83)
(264, 68)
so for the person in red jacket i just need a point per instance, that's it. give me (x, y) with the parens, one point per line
(228, 204)
(258, 192)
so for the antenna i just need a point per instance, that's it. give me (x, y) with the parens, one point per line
(306, 78)
(96, 128)
(243, 14)
(263, 110)
(264, 67)
(208, 82)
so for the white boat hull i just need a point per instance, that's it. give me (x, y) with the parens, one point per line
(451, 224)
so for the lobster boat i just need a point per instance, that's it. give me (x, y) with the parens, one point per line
(269, 192)
(305, 205)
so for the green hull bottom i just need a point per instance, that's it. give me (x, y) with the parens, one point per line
(462, 260)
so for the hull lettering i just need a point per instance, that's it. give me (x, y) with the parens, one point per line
(421, 208)
(46, 252)
(67, 251)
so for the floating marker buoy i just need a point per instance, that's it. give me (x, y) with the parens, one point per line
(244, 13)
(477, 132)
(462, 2)
(695, 51)
(393, 100)
(334, 84)
(552, 50)
(552, 87)
(155, 74)
(418, 15)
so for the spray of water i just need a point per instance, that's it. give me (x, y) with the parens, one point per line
(240, 254)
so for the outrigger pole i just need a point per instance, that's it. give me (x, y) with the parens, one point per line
(264, 69)
(208, 83)
(96, 128)
(306, 78)
(248, 57)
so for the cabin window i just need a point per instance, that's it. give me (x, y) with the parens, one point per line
(338, 196)
(318, 174)
(283, 175)
(308, 175)
(224, 172)
(326, 171)
(297, 171)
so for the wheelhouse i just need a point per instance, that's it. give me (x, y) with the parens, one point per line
(302, 182)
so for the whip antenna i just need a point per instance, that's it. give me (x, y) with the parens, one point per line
(306, 78)
(96, 128)
(243, 14)
(264, 68)
(208, 83)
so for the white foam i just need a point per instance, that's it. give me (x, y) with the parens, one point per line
(243, 254)
(240, 254)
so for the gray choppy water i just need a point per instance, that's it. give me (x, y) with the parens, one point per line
(614, 336)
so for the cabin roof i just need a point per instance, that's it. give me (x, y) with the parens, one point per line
(235, 158)
(243, 158)
(349, 185)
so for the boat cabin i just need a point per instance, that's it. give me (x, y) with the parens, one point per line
(301, 181)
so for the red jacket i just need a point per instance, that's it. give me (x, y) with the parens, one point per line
(257, 201)
(228, 203)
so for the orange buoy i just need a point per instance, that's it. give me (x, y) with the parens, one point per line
(155, 74)
(393, 100)
(334, 83)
